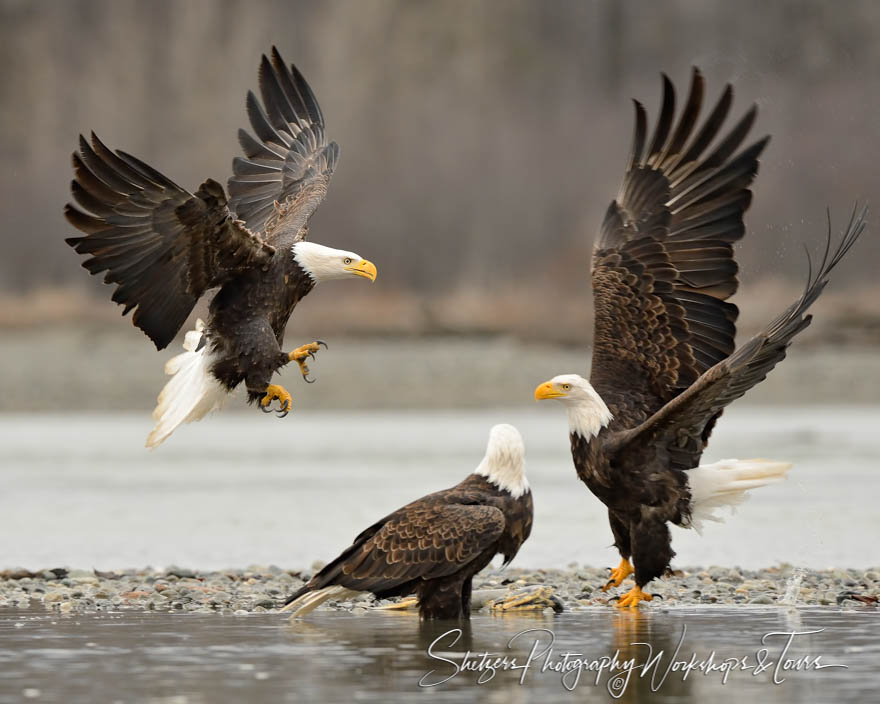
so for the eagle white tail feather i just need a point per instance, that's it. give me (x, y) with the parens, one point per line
(310, 601)
(725, 483)
(191, 393)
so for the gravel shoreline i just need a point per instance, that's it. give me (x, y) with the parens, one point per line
(259, 589)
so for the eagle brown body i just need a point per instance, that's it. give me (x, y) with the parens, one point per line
(435, 545)
(247, 320)
(664, 360)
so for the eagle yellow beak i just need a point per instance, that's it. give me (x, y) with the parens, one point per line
(547, 390)
(363, 268)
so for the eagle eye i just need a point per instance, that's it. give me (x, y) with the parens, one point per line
(347, 260)
(566, 387)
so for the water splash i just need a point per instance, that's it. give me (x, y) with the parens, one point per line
(793, 587)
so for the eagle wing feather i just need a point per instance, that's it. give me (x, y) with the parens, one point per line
(286, 167)
(678, 430)
(162, 246)
(427, 539)
(664, 266)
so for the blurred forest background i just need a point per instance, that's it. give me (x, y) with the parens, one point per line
(481, 143)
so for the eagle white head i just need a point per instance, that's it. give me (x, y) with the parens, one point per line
(324, 263)
(587, 412)
(505, 460)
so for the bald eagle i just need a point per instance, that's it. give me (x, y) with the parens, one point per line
(435, 545)
(664, 361)
(165, 247)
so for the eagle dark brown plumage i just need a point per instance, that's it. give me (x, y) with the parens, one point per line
(664, 265)
(164, 247)
(434, 546)
(664, 360)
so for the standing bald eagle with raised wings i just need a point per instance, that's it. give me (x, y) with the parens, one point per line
(165, 247)
(664, 361)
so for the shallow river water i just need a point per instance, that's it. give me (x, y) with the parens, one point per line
(236, 490)
(383, 657)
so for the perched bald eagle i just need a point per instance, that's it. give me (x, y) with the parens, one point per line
(664, 361)
(164, 247)
(434, 546)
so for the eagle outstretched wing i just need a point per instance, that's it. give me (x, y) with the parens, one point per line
(283, 176)
(676, 432)
(427, 539)
(161, 245)
(664, 265)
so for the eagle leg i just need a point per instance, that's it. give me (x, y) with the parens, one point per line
(618, 574)
(529, 599)
(300, 354)
(633, 597)
(285, 402)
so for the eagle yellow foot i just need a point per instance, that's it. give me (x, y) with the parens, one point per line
(285, 402)
(410, 602)
(633, 597)
(618, 574)
(529, 599)
(301, 354)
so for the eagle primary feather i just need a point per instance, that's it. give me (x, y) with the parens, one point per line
(289, 162)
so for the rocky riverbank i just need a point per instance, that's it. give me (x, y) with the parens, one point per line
(260, 589)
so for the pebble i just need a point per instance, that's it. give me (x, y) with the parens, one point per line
(763, 599)
(258, 589)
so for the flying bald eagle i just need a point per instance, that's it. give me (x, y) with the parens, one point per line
(434, 546)
(664, 361)
(164, 247)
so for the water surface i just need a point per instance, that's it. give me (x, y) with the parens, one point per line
(382, 657)
(235, 490)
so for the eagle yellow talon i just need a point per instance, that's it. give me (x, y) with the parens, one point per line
(618, 574)
(301, 354)
(530, 599)
(285, 401)
(633, 597)
(410, 602)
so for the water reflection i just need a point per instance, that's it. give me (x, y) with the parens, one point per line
(651, 640)
(382, 656)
